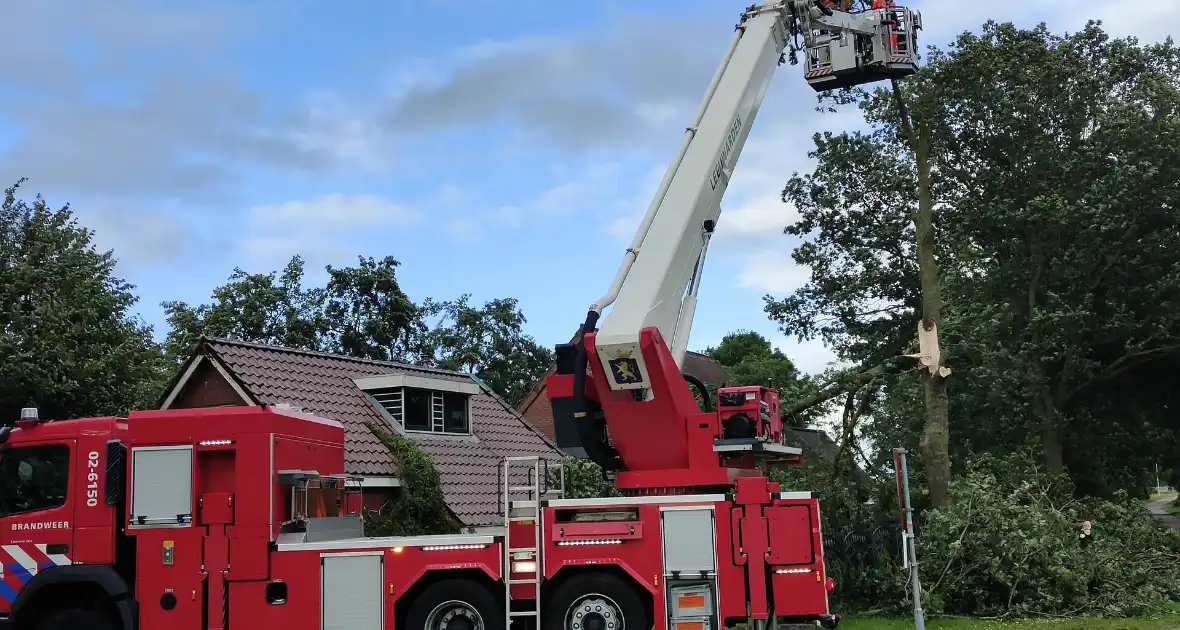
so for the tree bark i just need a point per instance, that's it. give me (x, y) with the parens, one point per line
(1052, 444)
(935, 444)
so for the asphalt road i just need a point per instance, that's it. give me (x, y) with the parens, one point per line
(1159, 509)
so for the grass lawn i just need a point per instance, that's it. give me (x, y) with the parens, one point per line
(1169, 621)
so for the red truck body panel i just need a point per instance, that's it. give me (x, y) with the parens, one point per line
(199, 499)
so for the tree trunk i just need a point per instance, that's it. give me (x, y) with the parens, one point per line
(1051, 434)
(935, 445)
(936, 434)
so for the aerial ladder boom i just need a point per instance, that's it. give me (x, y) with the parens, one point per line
(634, 354)
(650, 289)
(659, 289)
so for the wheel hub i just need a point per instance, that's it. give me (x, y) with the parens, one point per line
(594, 612)
(454, 616)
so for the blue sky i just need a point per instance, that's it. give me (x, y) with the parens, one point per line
(495, 148)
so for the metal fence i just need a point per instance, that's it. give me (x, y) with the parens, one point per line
(865, 562)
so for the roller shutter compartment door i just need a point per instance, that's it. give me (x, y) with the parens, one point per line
(353, 597)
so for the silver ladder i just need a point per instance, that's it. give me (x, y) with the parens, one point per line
(519, 509)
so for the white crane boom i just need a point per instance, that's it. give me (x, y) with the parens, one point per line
(657, 283)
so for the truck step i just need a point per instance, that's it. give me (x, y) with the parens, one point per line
(523, 581)
(523, 550)
(522, 613)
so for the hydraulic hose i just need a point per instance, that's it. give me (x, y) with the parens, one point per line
(702, 389)
(581, 360)
(591, 432)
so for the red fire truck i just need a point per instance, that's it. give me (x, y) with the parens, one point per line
(242, 518)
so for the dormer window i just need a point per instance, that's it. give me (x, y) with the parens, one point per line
(423, 404)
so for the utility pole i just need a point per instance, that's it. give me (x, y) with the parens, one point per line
(909, 551)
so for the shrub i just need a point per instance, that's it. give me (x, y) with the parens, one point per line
(862, 536)
(1011, 545)
(583, 479)
(420, 508)
(1008, 546)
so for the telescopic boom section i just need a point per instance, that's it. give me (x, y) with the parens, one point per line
(618, 393)
(655, 286)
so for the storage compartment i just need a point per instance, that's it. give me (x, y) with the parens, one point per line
(161, 486)
(791, 537)
(352, 593)
(689, 547)
(694, 600)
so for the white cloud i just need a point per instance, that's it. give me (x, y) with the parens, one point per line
(811, 356)
(317, 229)
(451, 195)
(140, 238)
(333, 212)
(772, 271)
(589, 188)
(265, 253)
(344, 130)
(463, 230)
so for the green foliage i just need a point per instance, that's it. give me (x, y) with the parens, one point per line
(68, 342)
(1165, 620)
(1010, 546)
(861, 534)
(752, 360)
(1055, 167)
(363, 312)
(487, 341)
(420, 508)
(583, 479)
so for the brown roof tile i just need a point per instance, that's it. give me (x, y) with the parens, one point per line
(322, 384)
(706, 368)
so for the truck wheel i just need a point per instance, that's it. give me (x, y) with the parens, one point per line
(455, 604)
(595, 601)
(75, 619)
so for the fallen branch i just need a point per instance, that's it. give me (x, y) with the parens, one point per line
(850, 381)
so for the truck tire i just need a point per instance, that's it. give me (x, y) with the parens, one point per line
(595, 601)
(455, 604)
(76, 619)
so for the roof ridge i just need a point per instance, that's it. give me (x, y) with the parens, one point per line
(329, 355)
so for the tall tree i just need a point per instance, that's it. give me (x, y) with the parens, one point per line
(752, 360)
(367, 314)
(488, 342)
(935, 444)
(1054, 163)
(270, 308)
(69, 344)
(362, 312)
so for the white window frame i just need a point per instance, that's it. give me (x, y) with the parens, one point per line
(392, 389)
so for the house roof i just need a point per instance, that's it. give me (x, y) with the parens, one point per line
(322, 384)
(815, 441)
